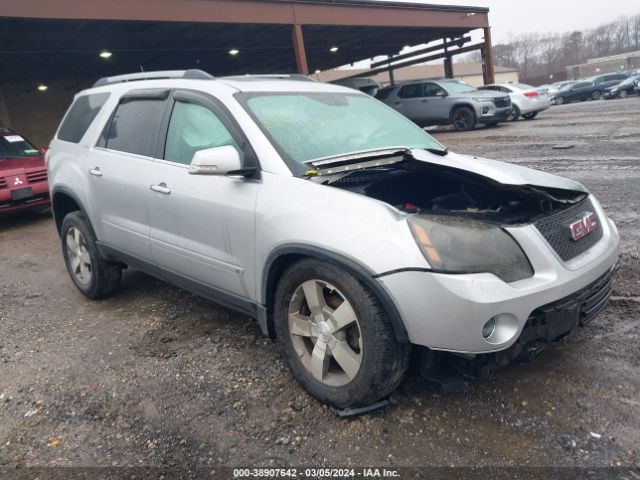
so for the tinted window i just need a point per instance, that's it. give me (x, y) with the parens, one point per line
(384, 93)
(192, 128)
(433, 90)
(134, 125)
(411, 91)
(82, 112)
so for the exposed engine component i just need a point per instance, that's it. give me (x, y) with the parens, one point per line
(416, 187)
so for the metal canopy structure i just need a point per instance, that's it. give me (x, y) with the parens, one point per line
(41, 39)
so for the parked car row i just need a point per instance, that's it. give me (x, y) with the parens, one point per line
(612, 85)
(448, 101)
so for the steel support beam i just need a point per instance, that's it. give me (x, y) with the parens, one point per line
(345, 13)
(415, 61)
(301, 55)
(489, 71)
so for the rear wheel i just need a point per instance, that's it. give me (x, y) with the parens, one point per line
(336, 336)
(464, 119)
(515, 114)
(91, 274)
(530, 116)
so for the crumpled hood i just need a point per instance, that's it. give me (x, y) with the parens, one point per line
(505, 173)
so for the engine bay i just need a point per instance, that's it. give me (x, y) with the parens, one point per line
(418, 188)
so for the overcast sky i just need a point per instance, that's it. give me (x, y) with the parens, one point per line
(516, 16)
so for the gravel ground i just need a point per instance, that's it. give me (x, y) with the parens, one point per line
(155, 376)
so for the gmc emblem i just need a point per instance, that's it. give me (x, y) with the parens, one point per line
(582, 228)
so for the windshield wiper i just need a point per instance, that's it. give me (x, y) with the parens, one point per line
(443, 152)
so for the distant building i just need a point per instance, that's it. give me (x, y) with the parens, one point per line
(596, 66)
(468, 72)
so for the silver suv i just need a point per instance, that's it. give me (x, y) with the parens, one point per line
(444, 102)
(348, 232)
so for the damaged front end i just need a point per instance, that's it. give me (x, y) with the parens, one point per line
(457, 215)
(422, 183)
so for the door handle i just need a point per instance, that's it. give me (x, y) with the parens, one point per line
(161, 188)
(95, 172)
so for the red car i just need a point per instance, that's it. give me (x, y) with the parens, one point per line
(23, 174)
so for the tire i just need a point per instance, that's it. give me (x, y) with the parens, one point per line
(597, 95)
(623, 94)
(530, 116)
(559, 101)
(91, 274)
(515, 114)
(377, 361)
(464, 119)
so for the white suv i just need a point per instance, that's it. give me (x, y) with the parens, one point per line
(346, 230)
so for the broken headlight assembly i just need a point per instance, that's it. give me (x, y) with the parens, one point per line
(462, 245)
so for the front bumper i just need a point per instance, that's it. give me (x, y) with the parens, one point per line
(448, 312)
(491, 114)
(39, 199)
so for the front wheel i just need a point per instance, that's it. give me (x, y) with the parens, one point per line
(91, 274)
(464, 119)
(514, 115)
(336, 336)
(559, 100)
(622, 94)
(596, 95)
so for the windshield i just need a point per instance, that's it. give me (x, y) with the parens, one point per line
(310, 125)
(456, 86)
(567, 86)
(14, 146)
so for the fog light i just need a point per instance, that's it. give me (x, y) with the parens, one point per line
(489, 328)
(485, 110)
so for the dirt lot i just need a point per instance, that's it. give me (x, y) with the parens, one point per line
(155, 376)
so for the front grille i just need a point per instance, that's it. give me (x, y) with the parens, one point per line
(557, 232)
(502, 102)
(39, 176)
(3, 183)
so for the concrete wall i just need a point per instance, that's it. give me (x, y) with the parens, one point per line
(477, 80)
(35, 114)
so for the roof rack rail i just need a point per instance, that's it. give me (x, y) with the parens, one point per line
(272, 76)
(193, 74)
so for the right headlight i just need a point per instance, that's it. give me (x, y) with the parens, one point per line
(463, 245)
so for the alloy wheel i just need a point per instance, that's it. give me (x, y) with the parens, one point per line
(78, 255)
(463, 119)
(325, 333)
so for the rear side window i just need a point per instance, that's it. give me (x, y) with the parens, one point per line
(412, 91)
(384, 93)
(80, 116)
(134, 125)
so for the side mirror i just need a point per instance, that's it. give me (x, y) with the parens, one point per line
(216, 161)
(42, 150)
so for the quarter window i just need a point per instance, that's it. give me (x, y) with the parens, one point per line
(80, 116)
(134, 127)
(192, 128)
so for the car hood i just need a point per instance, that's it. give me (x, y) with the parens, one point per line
(480, 94)
(10, 166)
(501, 172)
